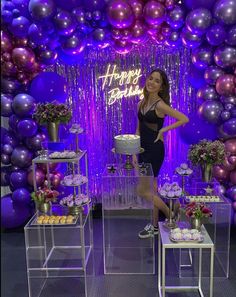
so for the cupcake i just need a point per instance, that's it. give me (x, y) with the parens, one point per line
(187, 236)
(177, 236)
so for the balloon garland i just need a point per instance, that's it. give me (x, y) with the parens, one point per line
(37, 33)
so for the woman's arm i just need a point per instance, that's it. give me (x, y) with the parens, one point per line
(179, 116)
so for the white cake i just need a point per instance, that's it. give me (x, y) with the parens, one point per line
(127, 144)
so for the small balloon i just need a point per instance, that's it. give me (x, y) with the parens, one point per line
(207, 93)
(210, 110)
(5, 159)
(229, 127)
(18, 179)
(216, 34)
(225, 115)
(27, 128)
(7, 149)
(225, 12)
(231, 193)
(230, 146)
(225, 56)
(220, 173)
(21, 196)
(6, 105)
(212, 73)
(232, 160)
(198, 20)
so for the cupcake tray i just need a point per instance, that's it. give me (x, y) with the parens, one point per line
(186, 241)
(203, 198)
(35, 223)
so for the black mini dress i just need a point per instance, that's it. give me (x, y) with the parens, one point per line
(149, 125)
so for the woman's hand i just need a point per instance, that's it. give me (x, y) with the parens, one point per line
(159, 136)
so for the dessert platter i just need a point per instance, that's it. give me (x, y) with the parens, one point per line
(74, 180)
(72, 200)
(75, 128)
(183, 169)
(203, 198)
(185, 235)
(55, 220)
(63, 155)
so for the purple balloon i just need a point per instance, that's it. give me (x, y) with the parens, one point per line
(12, 216)
(231, 36)
(5, 159)
(173, 39)
(48, 57)
(196, 77)
(120, 14)
(229, 127)
(225, 115)
(42, 9)
(10, 138)
(190, 40)
(231, 193)
(27, 128)
(92, 5)
(65, 23)
(138, 32)
(175, 17)
(35, 143)
(7, 149)
(10, 86)
(216, 34)
(6, 102)
(21, 196)
(202, 57)
(230, 99)
(198, 21)
(197, 129)
(225, 11)
(13, 121)
(210, 110)
(193, 4)
(5, 178)
(21, 157)
(18, 179)
(74, 45)
(233, 112)
(23, 105)
(19, 26)
(225, 85)
(37, 35)
(212, 73)
(154, 13)
(48, 86)
(207, 93)
(122, 46)
(225, 56)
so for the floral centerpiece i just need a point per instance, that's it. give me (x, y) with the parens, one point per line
(206, 154)
(196, 212)
(52, 114)
(43, 198)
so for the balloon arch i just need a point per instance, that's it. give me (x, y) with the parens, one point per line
(36, 33)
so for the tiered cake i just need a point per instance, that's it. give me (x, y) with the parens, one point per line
(127, 144)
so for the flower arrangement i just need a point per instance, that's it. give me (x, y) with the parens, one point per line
(172, 190)
(44, 195)
(52, 113)
(71, 201)
(197, 210)
(207, 152)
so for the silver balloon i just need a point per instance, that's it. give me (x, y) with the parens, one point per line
(225, 11)
(42, 9)
(211, 110)
(207, 93)
(198, 20)
(212, 73)
(225, 56)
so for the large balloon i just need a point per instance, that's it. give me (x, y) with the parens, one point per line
(19, 26)
(23, 105)
(154, 12)
(21, 197)
(230, 146)
(207, 93)
(225, 11)
(12, 216)
(225, 85)
(198, 20)
(190, 40)
(212, 73)
(6, 102)
(35, 143)
(216, 34)
(65, 23)
(202, 57)
(210, 110)
(175, 17)
(21, 157)
(193, 4)
(41, 9)
(18, 179)
(48, 86)
(23, 58)
(225, 56)
(120, 14)
(197, 129)
(27, 128)
(220, 173)
(229, 127)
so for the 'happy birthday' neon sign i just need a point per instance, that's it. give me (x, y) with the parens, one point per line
(129, 79)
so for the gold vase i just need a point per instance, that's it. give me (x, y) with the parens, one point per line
(44, 208)
(53, 129)
(196, 223)
(206, 172)
(74, 210)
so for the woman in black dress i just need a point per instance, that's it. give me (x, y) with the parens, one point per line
(151, 113)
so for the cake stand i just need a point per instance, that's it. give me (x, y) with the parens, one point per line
(170, 223)
(128, 163)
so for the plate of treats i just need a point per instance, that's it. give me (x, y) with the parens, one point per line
(63, 155)
(49, 220)
(185, 235)
(203, 198)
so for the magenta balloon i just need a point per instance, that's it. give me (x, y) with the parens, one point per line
(220, 173)
(225, 11)
(216, 34)
(207, 93)
(198, 20)
(138, 32)
(233, 177)
(27, 128)
(39, 177)
(225, 85)
(23, 58)
(230, 146)
(42, 9)
(23, 104)
(175, 17)
(212, 73)
(231, 36)
(225, 56)
(6, 44)
(229, 127)
(18, 179)
(190, 40)
(202, 57)
(120, 14)
(210, 110)
(137, 7)
(12, 216)
(21, 157)
(154, 12)
(65, 23)
(6, 103)
(232, 160)
(21, 196)
(227, 165)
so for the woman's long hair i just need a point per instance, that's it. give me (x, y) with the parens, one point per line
(164, 93)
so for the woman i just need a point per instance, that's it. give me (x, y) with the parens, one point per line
(151, 113)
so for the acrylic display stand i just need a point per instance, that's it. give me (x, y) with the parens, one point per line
(125, 214)
(60, 258)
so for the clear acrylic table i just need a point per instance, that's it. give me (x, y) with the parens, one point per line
(164, 244)
(60, 257)
(125, 213)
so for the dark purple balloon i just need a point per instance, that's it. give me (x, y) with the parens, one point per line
(10, 138)
(231, 36)
(233, 112)
(21, 196)
(19, 26)
(229, 127)
(193, 4)
(225, 115)
(18, 179)
(42, 9)
(202, 57)
(7, 149)
(225, 56)
(13, 121)
(65, 23)
(35, 143)
(212, 73)
(120, 14)
(5, 178)
(225, 85)
(230, 99)
(190, 40)
(210, 111)
(74, 45)
(216, 34)
(23, 104)
(198, 20)
(27, 128)
(207, 93)
(12, 216)
(37, 35)
(6, 102)
(10, 86)
(175, 17)
(228, 106)
(5, 159)
(21, 157)
(225, 11)
(173, 39)
(48, 56)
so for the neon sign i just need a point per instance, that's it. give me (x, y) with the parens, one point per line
(129, 79)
